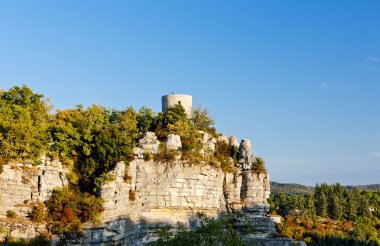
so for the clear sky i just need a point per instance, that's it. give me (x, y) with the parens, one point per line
(301, 79)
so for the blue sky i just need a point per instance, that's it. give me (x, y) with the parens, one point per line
(301, 79)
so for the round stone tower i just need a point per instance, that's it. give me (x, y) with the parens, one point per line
(185, 100)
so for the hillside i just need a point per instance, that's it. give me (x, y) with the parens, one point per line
(290, 188)
(298, 189)
(364, 187)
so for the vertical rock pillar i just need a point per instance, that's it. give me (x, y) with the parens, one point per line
(245, 154)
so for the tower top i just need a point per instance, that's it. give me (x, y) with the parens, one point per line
(185, 100)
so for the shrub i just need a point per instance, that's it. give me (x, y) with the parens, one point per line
(258, 165)
(127, 178)
(11, 214)
(228, 166)
(210, 232)
(223, 153)
(164, 154)
(193, 156)
(38, 213)
(69, 208)
(3, 161)
(40, 240)
(132, 195)
(148, 156)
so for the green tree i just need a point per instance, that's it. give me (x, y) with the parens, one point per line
(323, 205)
(310, 207)
(364, 206)
(24, 123)
(352, 204)
(94, 139)
(202, 120)
(145, 119)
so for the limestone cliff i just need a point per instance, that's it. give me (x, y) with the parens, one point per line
(21, 185)
(145, 194)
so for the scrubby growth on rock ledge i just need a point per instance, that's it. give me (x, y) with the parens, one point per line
(90, 141)
(209, 232)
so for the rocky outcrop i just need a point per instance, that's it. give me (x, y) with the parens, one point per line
(208, 143)
(223, 138)
(21, 228)
(233, 141)
(157, 193)
(148, 144)
(22, 184)
(173, 142)
(245, 154)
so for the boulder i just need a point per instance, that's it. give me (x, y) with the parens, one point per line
(173, 142)
(148, 144)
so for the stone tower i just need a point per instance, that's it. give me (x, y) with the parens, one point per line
(185, 100)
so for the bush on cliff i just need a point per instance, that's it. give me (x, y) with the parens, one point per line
(258, 165)
(69, 208)
(38, 213)
(164, 154)
(40, 240)
(11, 214)
(224, 154)
(210, 232)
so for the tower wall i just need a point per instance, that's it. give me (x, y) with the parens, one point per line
(185, 100)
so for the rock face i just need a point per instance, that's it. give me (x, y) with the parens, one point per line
(157, 193)
(21, 184)
(208, 143)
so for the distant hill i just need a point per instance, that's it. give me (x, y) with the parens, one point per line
(364, 187)
(298, 189)
(291, 189)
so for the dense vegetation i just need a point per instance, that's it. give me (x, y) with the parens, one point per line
(209, 232)
(333, 215)
(89, 142)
